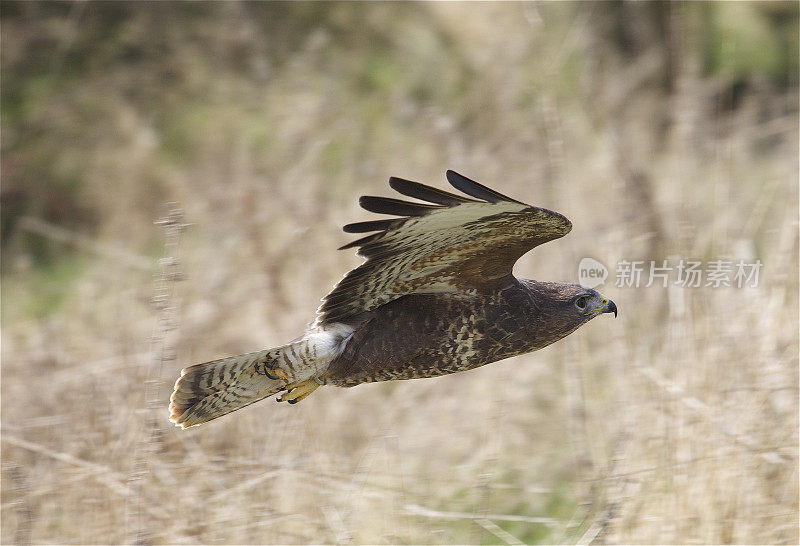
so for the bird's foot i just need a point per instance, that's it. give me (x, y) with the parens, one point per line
(298, 391)
(271, 369)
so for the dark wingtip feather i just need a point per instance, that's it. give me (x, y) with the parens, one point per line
(470, 187)
(361, 241)
(426, 193)
(372, 225)
(397, 207)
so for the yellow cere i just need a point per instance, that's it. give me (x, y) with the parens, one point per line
(605, 303)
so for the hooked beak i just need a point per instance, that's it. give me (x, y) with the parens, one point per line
(606, 306)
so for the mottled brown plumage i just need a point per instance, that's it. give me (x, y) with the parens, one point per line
(419, 336)
(435, 296)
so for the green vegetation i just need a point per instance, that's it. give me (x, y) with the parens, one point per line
(41, 292)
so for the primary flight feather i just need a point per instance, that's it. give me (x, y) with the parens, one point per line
(436, 295)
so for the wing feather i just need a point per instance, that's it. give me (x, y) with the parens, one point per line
(361, 242)
(398, 207)
(372, 225)
(470, 187)
(426, 193)
(457, 245)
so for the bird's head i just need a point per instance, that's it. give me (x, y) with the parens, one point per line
(589, 303)
(566, 307)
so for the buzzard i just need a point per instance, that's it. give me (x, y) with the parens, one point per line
(435, 296)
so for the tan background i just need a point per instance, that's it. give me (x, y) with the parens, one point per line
(661, 131)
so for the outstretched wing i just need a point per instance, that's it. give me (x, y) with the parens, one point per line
(451, 244)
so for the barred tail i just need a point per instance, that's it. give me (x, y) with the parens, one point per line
(210, 390)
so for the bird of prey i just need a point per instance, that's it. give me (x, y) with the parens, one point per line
(436, 295)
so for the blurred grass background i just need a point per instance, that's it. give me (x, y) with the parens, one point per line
(662, 130)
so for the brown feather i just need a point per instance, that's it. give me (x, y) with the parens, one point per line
(470, 187)
(398, 207)
(458, 245)
(426, 193)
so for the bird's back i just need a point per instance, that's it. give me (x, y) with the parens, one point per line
(431, 335)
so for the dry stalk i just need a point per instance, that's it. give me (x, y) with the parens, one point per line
(161, 351)
(101, 473)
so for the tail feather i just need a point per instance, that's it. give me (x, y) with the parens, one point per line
(210, 390)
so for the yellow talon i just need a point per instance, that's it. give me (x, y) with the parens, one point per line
(271, 370)
(299, 391)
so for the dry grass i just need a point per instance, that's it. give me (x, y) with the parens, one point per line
(676, 423)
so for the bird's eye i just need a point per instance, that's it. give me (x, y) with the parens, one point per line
(581, 302)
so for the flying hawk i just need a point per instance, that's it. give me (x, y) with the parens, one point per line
(435, 296)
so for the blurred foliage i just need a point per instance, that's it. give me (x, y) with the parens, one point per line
(662, 128)
(72, 70)
(43, 290)
(753, 39)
